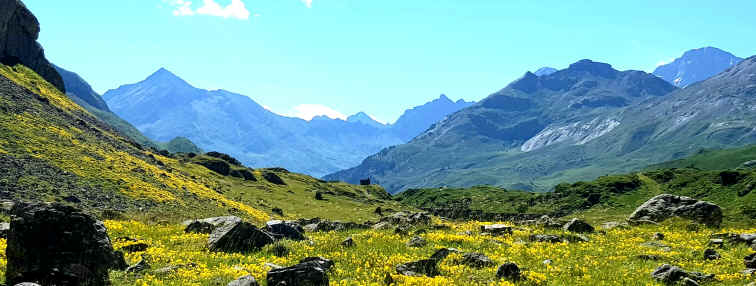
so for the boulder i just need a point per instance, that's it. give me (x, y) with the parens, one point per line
(417, 242)
(19, 30)
(425, 267)
(718, 242)
(244, 281)
(57, 244)
(545, 238)
(509, 271)
(711, 254)
(285, 230)
(750, 261)
(4, 229)
(658, 236)
(478, 260)
(140, 266)
(442, 253)
(137, 247)
(496, 229)
(208, 225)
(311, 272)
(325, 225)
(273, 178)
(578, 225)
(669, 274)
(662, 207)
(348, 242)
(239, 237)
(613, 224)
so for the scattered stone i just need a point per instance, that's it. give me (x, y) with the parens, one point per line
(749, 271)
(137, 247)
(658, 236)
(285, 230)
(613, 224)
(273, 266)
(348, 242)
(442, 253)
(753, 246)
(656, 244)
(208, 225)
(575, 238)
(548, 262)
(545, 238)
(316, 225)
(478, 260)
(172, 268)
(750, 261)
(140, 266)
(672, 274)
(239, 237)
(548, 222)
(509, 271)
(310, 274)
(496, 229)
(417, 242)
(711, 254)
(662, 207)
(425, 267)
(648, 257)
(639, 222)
(320, 261)
(689, 282)
(718, 242)
(27, 284)
(406, 218)
(4, 229)
(579, 226)
(402, 230)
(244, 281)
(54, 244)
(277, 211)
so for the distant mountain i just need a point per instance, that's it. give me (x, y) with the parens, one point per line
(80, 91)
(362, 117)
(511, 137)
(164, 106)
(545, 71)
(696, 65)
(416, 120)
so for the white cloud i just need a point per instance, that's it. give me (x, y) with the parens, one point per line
(308, 111)
(308, 3)
(236, 9)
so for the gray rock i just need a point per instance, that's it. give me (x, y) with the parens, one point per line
(750, 261)
(689, 282)
(417, 242)
(239, 237)
(718, 242)
(579, 226)
(54, 244)
(711, 254)
(509, 271)
(4, 229)
(320, 261)
(285, 230)
(662, 207)
(672, 274)
(545, 238)
(19, 30)
(496, 229)
(442, 253)
(27, 284)
(659, 236)
(613, 225)
(140, 266)
(548, 262)
(244, 281)
(348, 242)
(658, 245)
(137, 247)
(478, 260)
(425, 267)
(648, 257)
(407, 218)
(311, 273)
(749, 271)
(208, 225)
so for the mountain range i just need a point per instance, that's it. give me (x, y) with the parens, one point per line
(578, 123)
(164, 106)
(696, 65)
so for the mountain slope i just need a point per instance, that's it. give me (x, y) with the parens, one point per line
(419, 118)
(696, 65)
(736, 158)
(362, 117)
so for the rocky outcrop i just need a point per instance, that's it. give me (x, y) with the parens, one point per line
(285, 230)
(579, 226)
(19, 30)
(664, 206)
(238, 237)
(53, 244)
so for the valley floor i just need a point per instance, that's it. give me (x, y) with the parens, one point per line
(611, 257)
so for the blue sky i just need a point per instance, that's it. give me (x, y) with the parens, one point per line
(381, 57)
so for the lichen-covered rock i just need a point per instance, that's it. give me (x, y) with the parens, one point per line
(662, 207)
(509, 271)
(309, 272)
(478, 260)
(750, 261)
(669, 274)
(417, 241)
(19, 30)
(238, 237)
(579, 226)
(54, 244)
(244, 281)
(425, 267)
(285, 230)
(496, 229)
(208, 225)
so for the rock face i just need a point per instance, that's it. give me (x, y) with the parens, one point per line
(672, 274)
(208, 225)
(664, 206)
(53, 244)
(238, 237)
(19, 30)
(309, 272)
(579, 226)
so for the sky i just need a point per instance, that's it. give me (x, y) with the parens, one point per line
(339, 57)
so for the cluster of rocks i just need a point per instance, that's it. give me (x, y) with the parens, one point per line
(662, 207)
(429, 267)
(231, 234)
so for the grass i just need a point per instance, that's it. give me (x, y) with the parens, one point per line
(608, 259)
(712, 159)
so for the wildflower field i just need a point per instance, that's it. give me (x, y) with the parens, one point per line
(610, 257)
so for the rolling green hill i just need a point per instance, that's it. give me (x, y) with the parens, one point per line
(713, 159)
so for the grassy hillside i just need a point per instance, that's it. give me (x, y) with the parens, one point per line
(54, 150)
(713, 159)
(608, 197)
